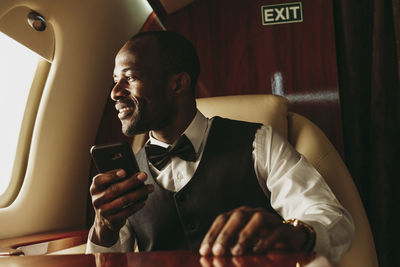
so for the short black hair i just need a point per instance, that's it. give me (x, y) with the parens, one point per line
(177, 54)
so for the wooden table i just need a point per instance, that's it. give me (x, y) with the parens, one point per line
(163, 258)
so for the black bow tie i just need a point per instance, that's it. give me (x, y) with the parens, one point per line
(160, 156)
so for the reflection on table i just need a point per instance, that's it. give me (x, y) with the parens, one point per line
(168, 259)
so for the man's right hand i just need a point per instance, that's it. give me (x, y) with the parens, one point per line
(114, 199)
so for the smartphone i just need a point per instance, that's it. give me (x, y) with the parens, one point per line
(109, 157)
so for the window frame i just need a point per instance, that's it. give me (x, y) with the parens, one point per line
(25, 134)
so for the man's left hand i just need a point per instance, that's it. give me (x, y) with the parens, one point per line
(251, 230)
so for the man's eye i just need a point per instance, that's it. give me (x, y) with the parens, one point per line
(130, 78)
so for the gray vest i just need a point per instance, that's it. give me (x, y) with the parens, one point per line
(224, 180)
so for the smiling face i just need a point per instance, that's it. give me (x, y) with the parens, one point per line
(141, 88)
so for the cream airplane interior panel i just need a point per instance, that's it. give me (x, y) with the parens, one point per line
(86, 38)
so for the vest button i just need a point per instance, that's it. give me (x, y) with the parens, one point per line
(180, 197)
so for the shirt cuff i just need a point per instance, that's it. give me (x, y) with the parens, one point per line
(93, 248)
(321, 237)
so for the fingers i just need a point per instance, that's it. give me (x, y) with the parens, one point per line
(244, 229)
(225, 230)
(115, 197)
(117, 220)
(277, 236)
(103, 180)
(108, 186)
(249, 234)
(259, 227)
(212, 234)
(229, 232)
(126, 200)
(215, 262)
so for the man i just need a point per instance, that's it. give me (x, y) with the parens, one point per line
(236, 187)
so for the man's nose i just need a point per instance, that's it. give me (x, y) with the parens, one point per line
(119, 90)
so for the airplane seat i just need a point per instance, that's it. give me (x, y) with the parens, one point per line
(310, 141)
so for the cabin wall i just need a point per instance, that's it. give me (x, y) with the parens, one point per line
(240, 55)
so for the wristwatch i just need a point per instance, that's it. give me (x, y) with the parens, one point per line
(308, 230)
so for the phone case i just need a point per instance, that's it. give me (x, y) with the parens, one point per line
(114, 156)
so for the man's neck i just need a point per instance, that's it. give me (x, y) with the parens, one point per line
(172, 132)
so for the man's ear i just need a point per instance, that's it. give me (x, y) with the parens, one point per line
(180, 82)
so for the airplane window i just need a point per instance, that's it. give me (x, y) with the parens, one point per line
(17, 69)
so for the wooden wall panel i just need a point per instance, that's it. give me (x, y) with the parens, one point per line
(239, 55)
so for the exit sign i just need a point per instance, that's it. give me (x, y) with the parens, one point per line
(282, 13)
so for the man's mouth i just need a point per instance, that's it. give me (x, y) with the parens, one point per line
(124, 109)
(123, 113)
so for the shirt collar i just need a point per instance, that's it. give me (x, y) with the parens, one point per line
(195, 132)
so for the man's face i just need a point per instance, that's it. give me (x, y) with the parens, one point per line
(140, 90)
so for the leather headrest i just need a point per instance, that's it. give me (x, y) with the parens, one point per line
(265, 109)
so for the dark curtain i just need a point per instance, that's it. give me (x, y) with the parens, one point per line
(368, 51)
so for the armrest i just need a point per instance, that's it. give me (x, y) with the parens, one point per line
(45, 243)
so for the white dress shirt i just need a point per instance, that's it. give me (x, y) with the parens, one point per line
(295, 188)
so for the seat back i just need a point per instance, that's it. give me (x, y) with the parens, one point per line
(310, 141)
